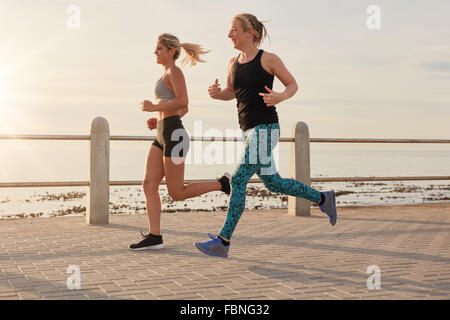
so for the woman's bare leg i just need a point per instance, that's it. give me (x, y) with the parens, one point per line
(153, 176)
(174, 172)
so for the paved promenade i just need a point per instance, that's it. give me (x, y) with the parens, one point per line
(273, 256)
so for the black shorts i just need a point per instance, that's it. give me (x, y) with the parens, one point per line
(172, 138)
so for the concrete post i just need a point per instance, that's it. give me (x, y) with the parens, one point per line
(300, 168)
(98, 196)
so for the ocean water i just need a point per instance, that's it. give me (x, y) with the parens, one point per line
(68, 161)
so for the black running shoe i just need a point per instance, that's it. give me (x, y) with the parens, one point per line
(225, 182)
(150, 242)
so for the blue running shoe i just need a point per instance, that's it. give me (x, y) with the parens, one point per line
(329, 206)
(213, 247)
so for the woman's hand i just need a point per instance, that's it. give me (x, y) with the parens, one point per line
(147, 105)
(272, 98)
(151, 123)
(214, 90)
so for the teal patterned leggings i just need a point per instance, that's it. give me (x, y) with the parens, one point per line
(258, 158)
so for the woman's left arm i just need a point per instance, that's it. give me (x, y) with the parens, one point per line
(279, 70)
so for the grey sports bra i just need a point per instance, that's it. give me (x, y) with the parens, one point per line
(162, 93)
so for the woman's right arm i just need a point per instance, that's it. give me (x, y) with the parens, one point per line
(226, 94)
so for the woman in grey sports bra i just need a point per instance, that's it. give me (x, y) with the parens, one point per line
(167, 153)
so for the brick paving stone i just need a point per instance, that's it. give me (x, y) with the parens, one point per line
(6, 294)
(144, 296)
(5, 289)
(93, 294)
(60, 294)
(160, 292)
(76, 297)
(135, 277)
(211, 295)
(272, 294)
(224, 291)
(28, 295)
(108, 288)
(14, 297)
(124, 282)
(250, 296)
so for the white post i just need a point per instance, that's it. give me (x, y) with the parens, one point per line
(98, 197)
(300, 168)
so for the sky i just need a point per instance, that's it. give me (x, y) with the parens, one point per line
(354, 82)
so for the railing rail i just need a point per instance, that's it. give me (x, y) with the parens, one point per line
(212, 139)
(139, 182)
(99, 182)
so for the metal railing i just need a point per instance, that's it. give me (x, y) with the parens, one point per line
(99, 182)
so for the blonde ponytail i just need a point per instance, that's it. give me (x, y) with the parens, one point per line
(192, 51)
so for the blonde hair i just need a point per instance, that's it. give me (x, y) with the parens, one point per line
(192, 51)
(250, 22)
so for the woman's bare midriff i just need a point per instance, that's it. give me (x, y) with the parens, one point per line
(165, 114)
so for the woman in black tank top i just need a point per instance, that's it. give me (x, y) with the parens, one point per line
(250, 80)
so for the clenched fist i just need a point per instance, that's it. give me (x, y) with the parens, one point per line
(151, 123)
(147, 105)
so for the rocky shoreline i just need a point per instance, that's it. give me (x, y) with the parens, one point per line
(131, 200)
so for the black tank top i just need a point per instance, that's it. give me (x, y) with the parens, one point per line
(248, 80)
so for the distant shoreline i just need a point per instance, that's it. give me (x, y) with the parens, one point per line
(131, 200)
(283, 211)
